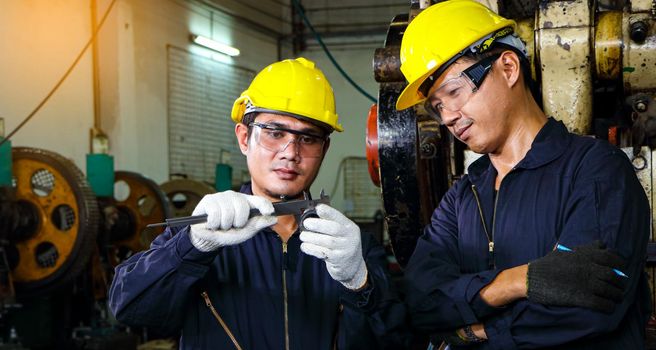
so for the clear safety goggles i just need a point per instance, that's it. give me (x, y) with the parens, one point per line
(454, 93)
(277, 139)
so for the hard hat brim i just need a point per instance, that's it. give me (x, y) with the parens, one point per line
(411, 96)
(239, 110)
(422, 55)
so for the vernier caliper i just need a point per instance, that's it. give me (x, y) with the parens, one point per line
(302, 208)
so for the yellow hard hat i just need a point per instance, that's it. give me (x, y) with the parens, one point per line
(439, 35)
(292, 87)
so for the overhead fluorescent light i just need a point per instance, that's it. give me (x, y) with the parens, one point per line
(214, 45)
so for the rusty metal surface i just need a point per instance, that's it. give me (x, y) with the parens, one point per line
(397, 149)
(642, 108)
(647, 178)
(639, 58)
(414, 156)
(387, 61)
(608, 45)
(517, 8)
(440, 157)
(526, 32)
(643, 164)
(611, 4)
(563, 45)
(491, 4)
(564, 14)
(387, 65)
(397, 152)
(414, 167)
(642, 5)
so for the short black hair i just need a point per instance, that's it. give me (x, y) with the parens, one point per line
(524, 64)
(248, 120)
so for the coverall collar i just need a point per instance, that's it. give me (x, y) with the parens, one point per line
(550, 143)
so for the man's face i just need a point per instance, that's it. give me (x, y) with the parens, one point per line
(277, 172)
(480, 122)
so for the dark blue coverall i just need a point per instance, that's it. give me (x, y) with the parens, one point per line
(270, 296)
(568, 189)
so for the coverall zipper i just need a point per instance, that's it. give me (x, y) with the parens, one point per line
(490, 238)
(208, 302)
(285, 261)
(284, 291)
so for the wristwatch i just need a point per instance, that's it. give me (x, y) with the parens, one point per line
(471, 336)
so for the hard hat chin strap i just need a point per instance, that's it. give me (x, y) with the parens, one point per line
(504, 36)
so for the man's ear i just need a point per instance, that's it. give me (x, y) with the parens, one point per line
(241, 131)
(326, 145)
(510, 66)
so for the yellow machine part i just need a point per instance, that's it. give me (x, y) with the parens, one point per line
(145, 204)
(28, 270)
(59, 221)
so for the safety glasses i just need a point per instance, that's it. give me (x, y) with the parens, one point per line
(454, 93)
(276, 139)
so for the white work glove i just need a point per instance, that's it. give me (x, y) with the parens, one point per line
(335, 239)
(227, 219)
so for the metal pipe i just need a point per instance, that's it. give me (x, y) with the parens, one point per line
(387, 65)
(95, 67)
(98, 140)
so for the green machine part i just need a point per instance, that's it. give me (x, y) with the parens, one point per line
(5, 163)
(223, 177)
(100, 174)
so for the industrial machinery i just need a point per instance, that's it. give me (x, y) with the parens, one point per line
(137, 202)
(58, 221)
(59, 243)
(596, 65)
(184, 194)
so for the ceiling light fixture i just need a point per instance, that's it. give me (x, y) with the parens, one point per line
(214, 45)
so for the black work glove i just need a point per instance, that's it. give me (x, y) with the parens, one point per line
(583, 277)
(450, 338)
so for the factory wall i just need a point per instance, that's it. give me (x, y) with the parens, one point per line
(352, 108)
(40, 39)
